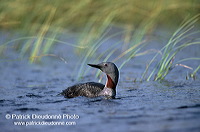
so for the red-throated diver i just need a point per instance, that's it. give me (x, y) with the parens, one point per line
(93, 89)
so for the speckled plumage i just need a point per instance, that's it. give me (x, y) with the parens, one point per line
(89, 89)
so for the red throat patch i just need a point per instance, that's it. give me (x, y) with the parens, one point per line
(110, 83)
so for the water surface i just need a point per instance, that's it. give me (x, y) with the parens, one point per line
(31, 90)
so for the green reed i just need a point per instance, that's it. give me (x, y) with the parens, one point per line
(177, 42)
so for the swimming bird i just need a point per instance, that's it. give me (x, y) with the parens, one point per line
(94, 89)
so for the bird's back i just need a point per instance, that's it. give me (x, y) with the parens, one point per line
(89, 89)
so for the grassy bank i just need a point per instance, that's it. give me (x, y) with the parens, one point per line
(77, 14)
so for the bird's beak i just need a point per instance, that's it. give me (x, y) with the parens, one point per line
(95, 66)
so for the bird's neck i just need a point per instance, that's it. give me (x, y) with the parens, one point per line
(110, 83)
(110, 88)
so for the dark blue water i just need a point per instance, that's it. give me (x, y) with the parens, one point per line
(29, 100)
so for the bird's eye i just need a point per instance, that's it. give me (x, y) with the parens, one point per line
(105, 64)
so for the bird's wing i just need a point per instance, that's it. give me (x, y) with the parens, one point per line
(89, 89)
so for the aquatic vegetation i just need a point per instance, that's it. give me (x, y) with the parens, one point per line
(49, 18)
(193, 75)
(178, 41)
